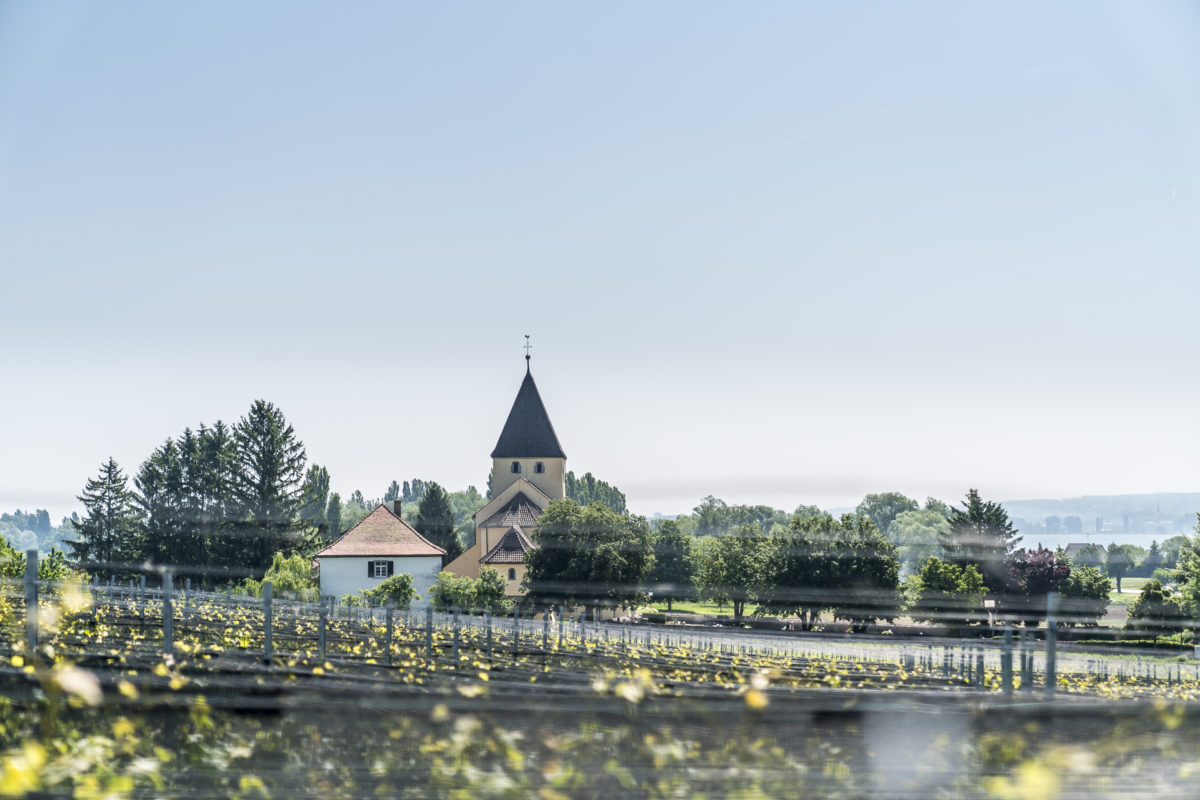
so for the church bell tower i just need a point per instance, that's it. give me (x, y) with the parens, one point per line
(528, 447)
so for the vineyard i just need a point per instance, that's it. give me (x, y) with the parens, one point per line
(134, 692)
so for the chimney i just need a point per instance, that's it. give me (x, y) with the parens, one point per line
(396, 504)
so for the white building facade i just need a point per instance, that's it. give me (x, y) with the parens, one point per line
(378, 547)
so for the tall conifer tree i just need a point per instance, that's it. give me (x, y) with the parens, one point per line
(110, 533)
(981, 534)
(267, 484)
(435, 521)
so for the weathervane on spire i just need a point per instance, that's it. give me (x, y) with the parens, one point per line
(528, 347)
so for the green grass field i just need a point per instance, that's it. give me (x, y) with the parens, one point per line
(692, 607)
(1130, 586)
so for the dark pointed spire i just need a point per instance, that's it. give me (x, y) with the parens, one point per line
(527, 432)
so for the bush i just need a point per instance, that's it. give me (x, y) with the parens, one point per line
(1084, 596)
(398, 590)
(290, 576)
(486, 593)
(451, 591)
(1164, 576)
(52, 566)
(1155, 610)
(947, 594)
(490, 592)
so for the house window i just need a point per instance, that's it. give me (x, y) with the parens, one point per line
(512, 573)
(539, 467)
(516, 466)
(379, 569)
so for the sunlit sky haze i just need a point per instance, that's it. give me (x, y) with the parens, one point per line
(781, 252)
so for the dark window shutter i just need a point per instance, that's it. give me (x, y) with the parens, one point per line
(391, 568)
(370, 569)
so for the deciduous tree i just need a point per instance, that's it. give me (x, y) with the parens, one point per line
(1084, 596)
(884, 507)
(1120, 561)
(820, 563)
(730, 566)
(1033, 574)
(948, 594)
(674, 574)
(918, 536)
(589, 556)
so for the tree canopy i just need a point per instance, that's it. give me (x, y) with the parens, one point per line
(110, 533)
(219, 500)
(1120, 561)
(884, 507)
(918, 537)
(590, 556)
(947, 594)
(435, 521)
(1084, 596)
(819, 563)
(730, 566)
(982, 535)
(589, 489)
(674, 574)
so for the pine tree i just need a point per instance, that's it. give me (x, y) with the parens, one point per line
(981, 534)
(435, 521)
(333, 516)
(267, 484)
(211, 479)
(392, 493)
(159, 483)
(110, 533)
(315, 497)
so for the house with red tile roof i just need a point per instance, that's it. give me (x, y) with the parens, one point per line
(379, 546)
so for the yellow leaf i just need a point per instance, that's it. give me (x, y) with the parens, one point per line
(756, 699)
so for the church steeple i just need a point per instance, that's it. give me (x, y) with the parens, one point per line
(528, 432)
(528, 447)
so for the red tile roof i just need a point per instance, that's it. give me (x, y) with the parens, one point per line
(381, 533)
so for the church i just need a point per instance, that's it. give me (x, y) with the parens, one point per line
(529, 470)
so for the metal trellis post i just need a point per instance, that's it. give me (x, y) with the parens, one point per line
(266, 600)
(31, 603)
(1051, 642)
(168, 613)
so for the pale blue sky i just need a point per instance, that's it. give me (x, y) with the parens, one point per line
(780, 253)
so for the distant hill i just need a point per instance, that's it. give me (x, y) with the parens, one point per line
(1132, 518)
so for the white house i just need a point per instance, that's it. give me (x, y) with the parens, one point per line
(379, 546)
